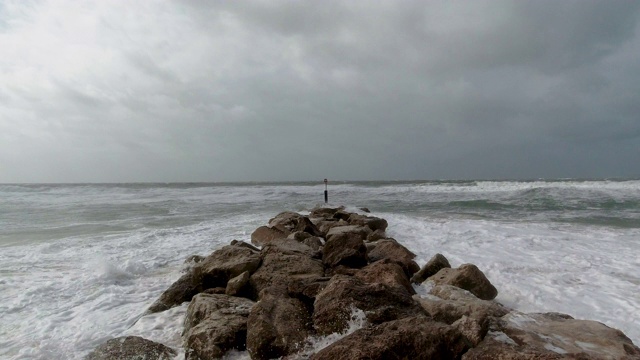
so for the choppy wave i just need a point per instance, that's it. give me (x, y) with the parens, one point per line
(81, 262)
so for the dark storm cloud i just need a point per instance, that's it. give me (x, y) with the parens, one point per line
(282, 90)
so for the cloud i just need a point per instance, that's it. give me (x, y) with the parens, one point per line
(282, 90)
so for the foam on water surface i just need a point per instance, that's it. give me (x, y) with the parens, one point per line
(81, 264)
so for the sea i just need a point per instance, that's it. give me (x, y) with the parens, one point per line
(80, 263)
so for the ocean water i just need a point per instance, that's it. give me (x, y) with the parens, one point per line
(79, 264)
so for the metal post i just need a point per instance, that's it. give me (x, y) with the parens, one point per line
(326, 192)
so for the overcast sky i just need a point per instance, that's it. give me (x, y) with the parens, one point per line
(122, 91)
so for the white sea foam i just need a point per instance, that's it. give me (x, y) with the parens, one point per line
(586, 272)
(80, 265)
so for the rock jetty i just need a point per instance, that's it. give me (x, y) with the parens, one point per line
(303, 277)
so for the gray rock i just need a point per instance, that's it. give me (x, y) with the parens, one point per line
(182, 290)
(281, 265)
(415, 337)
(224, 264)
(278, 325)
(360, 231)
(392, 250)
(456, 303)
(467, 277)
(437, 263)
(380, 302)
(131, 348)
(385, 272)
(264, 235)
(289, 222)
(345, 248)
(215, 324)
(552, 336)
(235, 285)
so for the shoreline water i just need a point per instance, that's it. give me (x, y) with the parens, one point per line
(128, 245)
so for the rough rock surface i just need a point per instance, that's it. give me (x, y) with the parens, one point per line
(385, 272)
(131, 348)
(334, 304)
(357, 230)
(215, 324)
(315, 272)
(278, 325)
(280, 266)
(390, 249)
(345, 249)
(409, 338)
(289, 222)
(224, 264)
(467, 277)
(437, 263)
(180, 291)
(553, 336)
(264, 235)
(448, 304)
(236, 285)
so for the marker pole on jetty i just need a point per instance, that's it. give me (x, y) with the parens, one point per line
(326, 193)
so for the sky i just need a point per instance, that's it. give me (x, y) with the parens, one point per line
(257, 90)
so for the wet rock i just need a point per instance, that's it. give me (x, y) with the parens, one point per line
(131, 348)
(324, 212)
(435, 264)
(194, 259)
(385, 272)
(264, 235)
(371, 222)
(224, 264)
(289, 222)
(376, 235)
(215, 324)
(282, 265)
(354, 230)
(456, 303)
(334, 304)
(313, 242)
(236, 285)
(299, 236)
(552, 336)
(467, 277)
(244, 244)
(180, 291)
(345, 249)
(326, 225)
(394, 251)
(278, 325)
(414, 337)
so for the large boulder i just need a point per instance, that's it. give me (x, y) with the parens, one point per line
(385, 272)
(552, 336)
(264, 235)
(278, 325)
(131, 348)
(224, 264)
(435, 264)
(373, 223)
(448, 304)
(283, 263)
(345, 249)
(289, 222)
(324, 212)
(215, 324)
(237, 285)
(357, 230)
(182, 290)
(392, 250)
(467, 277)
(380, 302)
(415, 337)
